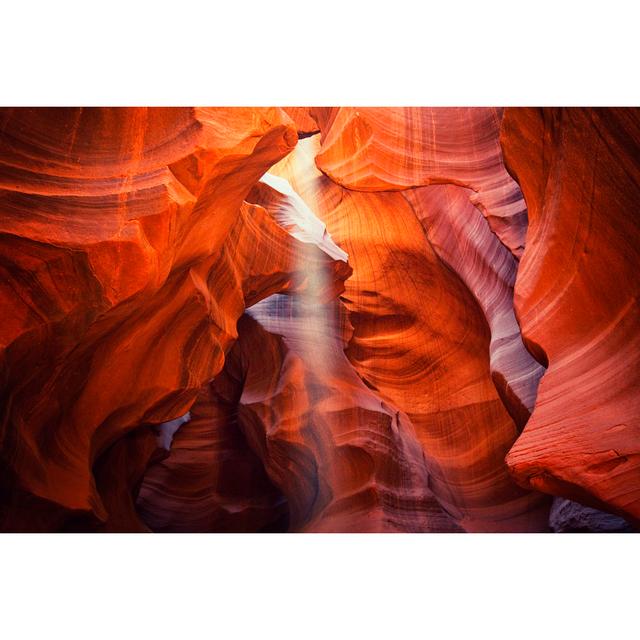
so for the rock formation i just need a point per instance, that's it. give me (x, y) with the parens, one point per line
(576, 299)
(414, 323)
(319, 319)
(128, 255)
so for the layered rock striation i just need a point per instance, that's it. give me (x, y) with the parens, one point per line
(319, 319)
(128, 254)
(576, 298)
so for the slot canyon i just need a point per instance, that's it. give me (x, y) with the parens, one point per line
(353, 319)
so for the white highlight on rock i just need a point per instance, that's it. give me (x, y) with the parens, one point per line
(166, 430)
(310, 317)
(298, 219)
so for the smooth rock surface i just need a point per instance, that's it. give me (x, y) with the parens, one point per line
(421, 342)
(127, 256)
(319, 319)
(576, 299)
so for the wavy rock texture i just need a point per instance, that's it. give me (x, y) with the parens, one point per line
(462, 238)
(304, 120)
(127, 256)
(118, 475)
(421, 342)
(576, 299)
(345, 460)
(211, 481)
(393, 148)
(319, 319)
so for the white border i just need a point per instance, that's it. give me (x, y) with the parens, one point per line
(321, 587)
(391, 52)
(330, 52)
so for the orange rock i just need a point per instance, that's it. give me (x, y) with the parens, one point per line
(421, 342)
(174, 355)
(344, 460)
(394, 148)
(461, 237)
(576, 299)
(118, 475)
(127, 257)
(303, 119)
(211, 481)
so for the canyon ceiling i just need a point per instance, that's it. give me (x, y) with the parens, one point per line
(319, 319)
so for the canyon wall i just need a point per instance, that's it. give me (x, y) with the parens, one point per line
(576, 298)
(319, 319)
